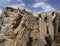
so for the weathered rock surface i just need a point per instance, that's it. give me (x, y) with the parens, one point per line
(18, 28)
(21, 28)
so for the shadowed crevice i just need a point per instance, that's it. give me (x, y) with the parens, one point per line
(17, 21)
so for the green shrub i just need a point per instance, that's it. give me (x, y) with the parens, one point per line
(0, 27)
(49, 40)
(9, 8)
(24, 10)
(29, 43)
(37, 18)
(47, 45)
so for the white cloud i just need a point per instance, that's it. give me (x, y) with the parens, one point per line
(8, 0)
(40, 0)
(0, 11)
(22, 5)
(4, 1)
(20, 0)
(44, 6)
(36, 5)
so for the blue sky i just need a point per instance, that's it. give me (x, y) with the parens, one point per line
(33, 5)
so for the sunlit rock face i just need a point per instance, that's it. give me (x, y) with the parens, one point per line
(20, 27)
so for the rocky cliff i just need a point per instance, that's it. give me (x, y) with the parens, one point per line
(19, 27)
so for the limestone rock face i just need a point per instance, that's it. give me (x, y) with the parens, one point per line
(21, 28)
(18, 28)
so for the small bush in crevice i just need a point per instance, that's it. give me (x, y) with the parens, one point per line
(11, 9)
(36, 39)
(49, 41)
(24, 10)
(47, 45)
(29, 43)
(37, 18)
(0, 27)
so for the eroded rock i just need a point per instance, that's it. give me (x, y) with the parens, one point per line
(21, 28)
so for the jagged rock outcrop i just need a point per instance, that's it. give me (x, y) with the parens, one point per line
(21, 28)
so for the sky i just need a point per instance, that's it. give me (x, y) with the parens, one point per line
(33, 5)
